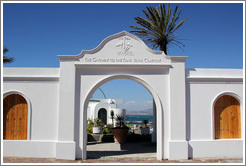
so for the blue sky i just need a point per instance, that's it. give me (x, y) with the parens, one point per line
(133, 95)
(36, 33)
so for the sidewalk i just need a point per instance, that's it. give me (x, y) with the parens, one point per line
(119, 160)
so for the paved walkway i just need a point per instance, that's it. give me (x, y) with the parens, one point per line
(134, 150)
(122, 160)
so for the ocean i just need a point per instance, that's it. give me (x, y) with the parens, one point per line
(136, 119)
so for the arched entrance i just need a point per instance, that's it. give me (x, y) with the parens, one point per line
(227, 118)
(135, 104)
(15, 117)
(163, 76)
(102, 114)
(159, 113)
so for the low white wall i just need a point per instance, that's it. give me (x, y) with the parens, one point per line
(119, 112)
(203, 86)
(21, 148)
(40, 87)
(216, 148)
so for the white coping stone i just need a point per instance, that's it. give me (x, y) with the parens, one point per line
(211, 73)
(30, 72)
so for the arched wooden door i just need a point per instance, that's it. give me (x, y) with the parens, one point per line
(15, 117)
(227, 118)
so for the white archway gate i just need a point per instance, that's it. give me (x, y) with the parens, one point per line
(83, 141)
(122, 56)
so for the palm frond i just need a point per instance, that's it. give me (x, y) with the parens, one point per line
(160, 26)
(5, 58)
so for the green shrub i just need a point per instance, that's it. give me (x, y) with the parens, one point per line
(89, 129)
(108, 129)
(98, 123)
(90, 125)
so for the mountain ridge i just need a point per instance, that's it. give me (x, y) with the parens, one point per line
(140, 112)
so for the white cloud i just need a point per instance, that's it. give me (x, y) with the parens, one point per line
(119, 101)
(136, 105)
(149, 102)
(130, 103)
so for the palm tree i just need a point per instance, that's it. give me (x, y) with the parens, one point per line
(5, 58)
(120, 119)
(158, 30)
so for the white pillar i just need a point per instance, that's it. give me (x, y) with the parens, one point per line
(178, 146)
(65, 146)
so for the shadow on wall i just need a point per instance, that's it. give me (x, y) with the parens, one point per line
(190, 151)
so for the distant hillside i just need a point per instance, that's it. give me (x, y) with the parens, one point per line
(139, 112)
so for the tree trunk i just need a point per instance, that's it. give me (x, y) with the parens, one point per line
(163, 47)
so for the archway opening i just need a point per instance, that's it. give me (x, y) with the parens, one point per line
(133, 101)
(15, 117)
(227, 118)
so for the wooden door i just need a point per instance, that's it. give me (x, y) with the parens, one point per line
(227, 118)
(15, 117)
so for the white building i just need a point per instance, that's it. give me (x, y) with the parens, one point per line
(101, 108)
(197, 112)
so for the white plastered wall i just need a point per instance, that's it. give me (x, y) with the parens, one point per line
(59, 98)
(204, 86)
(40, 88)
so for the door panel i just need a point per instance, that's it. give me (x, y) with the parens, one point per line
(15, 117)
(227, 118)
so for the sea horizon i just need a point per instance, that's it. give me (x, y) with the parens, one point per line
(137, 119)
